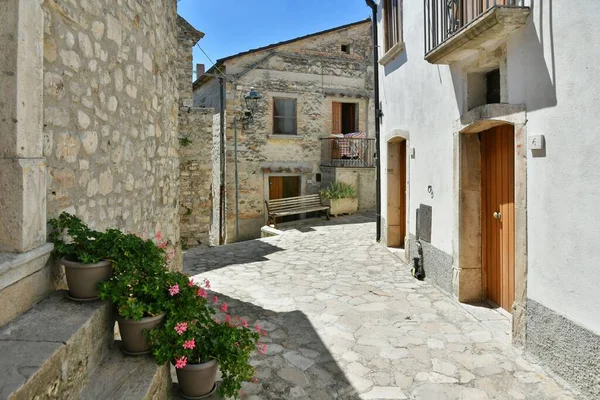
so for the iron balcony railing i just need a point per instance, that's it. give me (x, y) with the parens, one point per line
(444, 18)
(348, 152)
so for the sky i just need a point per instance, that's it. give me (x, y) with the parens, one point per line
(233, 26)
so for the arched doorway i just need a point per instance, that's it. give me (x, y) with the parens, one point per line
(396, 193)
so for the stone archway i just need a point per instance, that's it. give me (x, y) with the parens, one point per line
(467, 282)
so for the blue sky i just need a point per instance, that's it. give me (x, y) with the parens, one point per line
(233, 26)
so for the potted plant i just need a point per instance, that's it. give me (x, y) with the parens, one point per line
(199, 343)
(138, 289)
(341, 198)
(85, 254)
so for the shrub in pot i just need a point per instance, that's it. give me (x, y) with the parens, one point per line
(198, 343)
(341, 198)
(85, 254)
(138, 289)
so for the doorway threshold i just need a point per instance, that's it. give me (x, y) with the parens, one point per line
(498, 320)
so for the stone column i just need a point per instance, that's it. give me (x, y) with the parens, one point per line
(22, 165)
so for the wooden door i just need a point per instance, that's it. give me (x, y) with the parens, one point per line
(336, 117)
(396, 194)
(281, 187)
(498, 214)
(275, 187)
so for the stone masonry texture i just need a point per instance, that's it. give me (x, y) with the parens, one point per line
(196, 168)
(316, 73)
(346, 320)
(111, 113)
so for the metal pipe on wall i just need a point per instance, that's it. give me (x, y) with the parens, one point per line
(237, 191)
(222, 162)
(378, 114)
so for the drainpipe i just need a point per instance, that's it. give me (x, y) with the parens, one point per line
(378, 113)
(222, 163)
(237, 191)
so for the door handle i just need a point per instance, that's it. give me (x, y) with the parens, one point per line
(498, 215)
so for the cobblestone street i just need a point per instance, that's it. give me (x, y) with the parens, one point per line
(347, 320)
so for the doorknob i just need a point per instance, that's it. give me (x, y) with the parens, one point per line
(497, 215)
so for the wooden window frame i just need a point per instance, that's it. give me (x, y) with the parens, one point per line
(392, 13)
(295, 117)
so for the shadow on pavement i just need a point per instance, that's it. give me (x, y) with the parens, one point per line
(201, 259)
(297, 363)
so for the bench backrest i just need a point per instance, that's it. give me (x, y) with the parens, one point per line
(291, 203)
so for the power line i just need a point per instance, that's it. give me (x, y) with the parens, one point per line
(209, 59)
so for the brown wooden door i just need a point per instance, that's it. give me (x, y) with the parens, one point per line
(281, 187)
(396, 194)
(275, 187)
(498, 214)
(336, 117)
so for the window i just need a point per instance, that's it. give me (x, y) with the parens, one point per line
(284, 116)
(492, 82)
(346, 48)
(393, 18)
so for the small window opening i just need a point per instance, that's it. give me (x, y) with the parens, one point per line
(346, 48)
(492, 83)
(318, 177)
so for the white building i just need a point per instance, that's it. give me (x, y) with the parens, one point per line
(490, 118)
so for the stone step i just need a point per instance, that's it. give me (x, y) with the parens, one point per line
(125, 377)
(52, 349)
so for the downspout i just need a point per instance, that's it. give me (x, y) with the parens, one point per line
(237, 191)
(378, 114)
(222, 160)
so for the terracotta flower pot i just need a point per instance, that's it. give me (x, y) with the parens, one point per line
(83, 279)
(132, 333)
(197, 381)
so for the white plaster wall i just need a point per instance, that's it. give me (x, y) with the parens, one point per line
(561, 89)
(553, 67)
(419, 98)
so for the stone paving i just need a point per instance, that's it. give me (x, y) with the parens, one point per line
(346, 320)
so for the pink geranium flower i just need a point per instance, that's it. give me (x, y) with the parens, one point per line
(257, 327)
(262, 348)
(180, 362)
(189, 344)
(224, 307)
(158, 236)
(215, 300)
(245, 323)
(207, 283)
(173, 290)
(202, 293)
(163, 245)
(181, 327)
(191, 282)
(228, 318)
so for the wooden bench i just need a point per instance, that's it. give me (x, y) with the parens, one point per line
(294, 205)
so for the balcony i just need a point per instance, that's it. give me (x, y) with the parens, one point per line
(348, 152)
(455, 29)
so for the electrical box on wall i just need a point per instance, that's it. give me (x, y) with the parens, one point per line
(536, 142)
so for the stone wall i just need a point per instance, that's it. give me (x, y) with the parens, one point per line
(196, 166)
(361, 178)
(314, 71)
(110, 113)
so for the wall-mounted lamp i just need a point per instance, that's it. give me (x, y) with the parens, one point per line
(251, 99)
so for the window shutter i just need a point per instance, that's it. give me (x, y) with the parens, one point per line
(336, 117)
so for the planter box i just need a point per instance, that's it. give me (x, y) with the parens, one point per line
(343, 206)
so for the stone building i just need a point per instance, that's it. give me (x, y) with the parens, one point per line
(311, 87)
(487, 136)
(89, 125)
